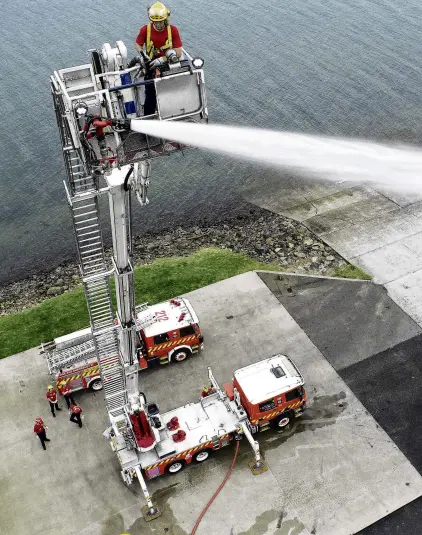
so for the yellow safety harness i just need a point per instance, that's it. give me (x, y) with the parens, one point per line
(151, 50)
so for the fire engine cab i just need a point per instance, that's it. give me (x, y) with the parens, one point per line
(166, 332)
(268, 392)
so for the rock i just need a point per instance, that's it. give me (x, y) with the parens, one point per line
(55, 290)
(261, 235)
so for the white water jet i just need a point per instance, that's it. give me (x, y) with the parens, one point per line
(399, 167)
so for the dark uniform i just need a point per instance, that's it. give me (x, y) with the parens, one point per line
(76, 414)
(67, 394)
(39, 429)
(51, 395)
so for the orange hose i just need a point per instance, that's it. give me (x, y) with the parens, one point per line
(214, 496)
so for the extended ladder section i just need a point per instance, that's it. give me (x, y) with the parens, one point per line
(62, 358)
(82, 193)
(95, 106)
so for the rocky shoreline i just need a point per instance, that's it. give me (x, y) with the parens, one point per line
(262, 235)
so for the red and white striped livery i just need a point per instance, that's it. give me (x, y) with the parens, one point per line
(166, 332)
(270, 392)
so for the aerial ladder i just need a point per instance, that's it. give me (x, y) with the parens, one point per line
(95, 105)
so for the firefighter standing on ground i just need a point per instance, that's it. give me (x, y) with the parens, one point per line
(66, 392)
(51, 395)
(39, 429)
(76, 414)
(155, 39)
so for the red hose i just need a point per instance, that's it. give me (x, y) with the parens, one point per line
(214, 496)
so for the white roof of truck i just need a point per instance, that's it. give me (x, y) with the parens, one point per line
(201, 422)
(268, 378)
(165, 317)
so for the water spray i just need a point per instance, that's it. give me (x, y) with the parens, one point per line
(399, 167)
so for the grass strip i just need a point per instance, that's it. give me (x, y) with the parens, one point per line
(161, 280)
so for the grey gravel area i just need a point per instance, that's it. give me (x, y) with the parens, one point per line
(262, 235)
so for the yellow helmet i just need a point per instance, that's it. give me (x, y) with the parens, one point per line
(158, 12)
(50, 387)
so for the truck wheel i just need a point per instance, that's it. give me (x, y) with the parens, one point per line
(180, 355)
(284, 420)
(201, 456)
(96, 385)
(175, 467)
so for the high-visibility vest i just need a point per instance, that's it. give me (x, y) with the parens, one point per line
(149, 45)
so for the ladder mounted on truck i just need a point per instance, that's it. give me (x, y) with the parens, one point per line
(94, 104)
(57, 359)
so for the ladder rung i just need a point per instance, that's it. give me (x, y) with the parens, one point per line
(86, 213)
(92, 250)
(78, 229)
(86, 256)
(101, 321)
(108, 353)
(88, 239)
(92, 245)
(76, 207)
(102, 314)
(96, 296)
(100, 292)
(94, 268)
(102, 300)
(88, 233)
(85, 220)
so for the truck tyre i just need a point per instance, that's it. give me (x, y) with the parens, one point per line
(96, 385)
(284, 420)
(180, 355)
(175, 467)
(202, 456)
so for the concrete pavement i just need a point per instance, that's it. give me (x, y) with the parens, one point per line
(335, 472)
(371, 226)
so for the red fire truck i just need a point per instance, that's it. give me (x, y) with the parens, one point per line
(270, 392)
(166, 332)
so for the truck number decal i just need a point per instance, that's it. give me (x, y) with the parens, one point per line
(161, 315)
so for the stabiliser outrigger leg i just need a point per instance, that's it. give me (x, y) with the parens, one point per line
(149, 511)
(257, 466)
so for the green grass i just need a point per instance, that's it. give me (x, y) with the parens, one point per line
(349, 271)
(163, 279)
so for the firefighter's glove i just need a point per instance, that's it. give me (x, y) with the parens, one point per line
(134, 61)
(155, 63)
(121, 123)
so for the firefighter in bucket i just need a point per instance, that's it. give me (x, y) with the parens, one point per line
(161, 42)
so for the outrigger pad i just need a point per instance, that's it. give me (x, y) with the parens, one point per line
(256, 470)
(148, 515)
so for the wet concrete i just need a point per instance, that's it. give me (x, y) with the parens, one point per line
(274, 522)
(333, 472)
